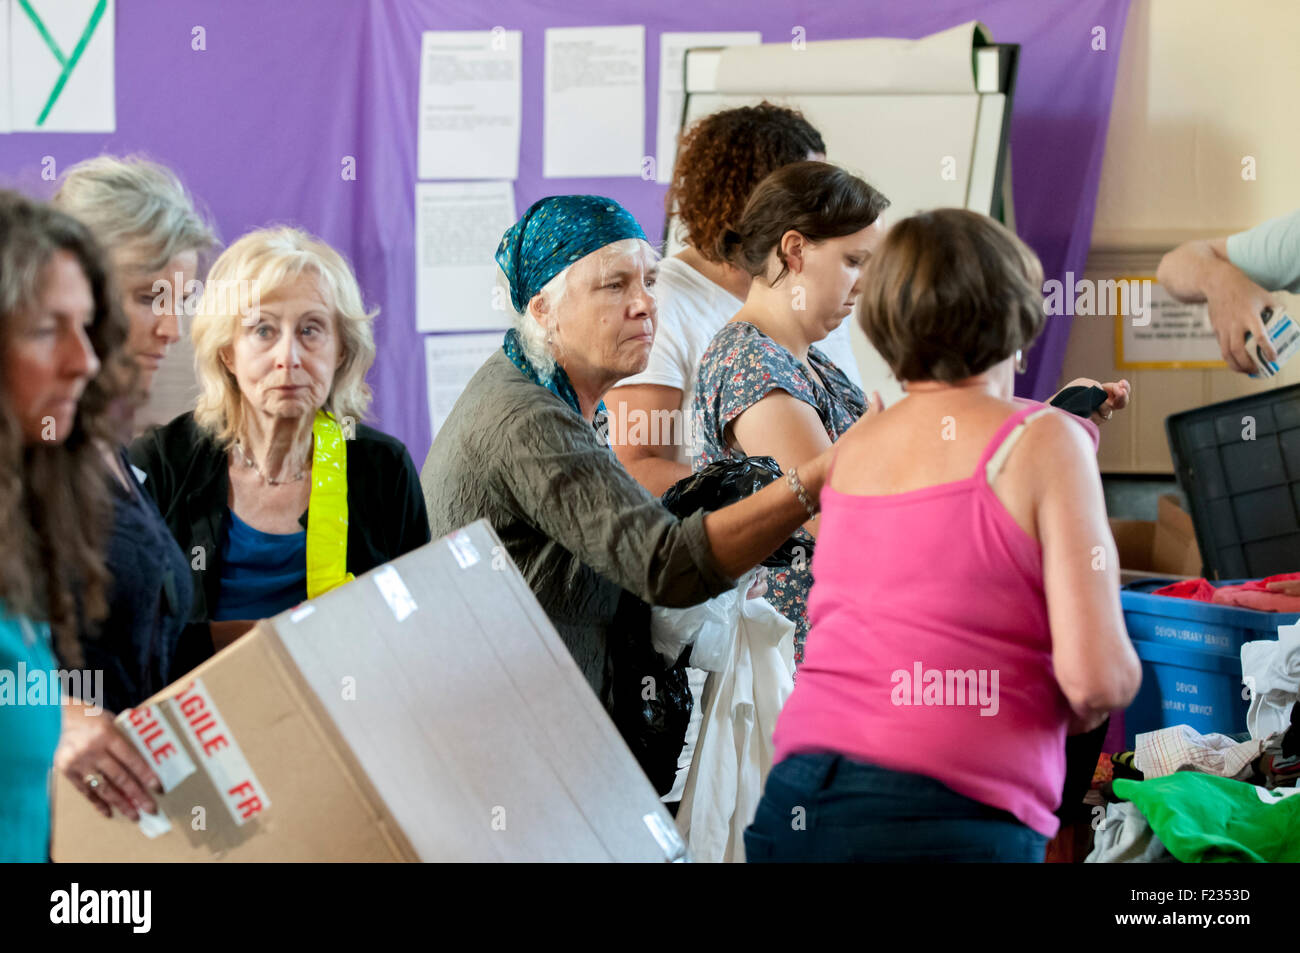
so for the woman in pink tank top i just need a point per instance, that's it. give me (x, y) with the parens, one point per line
(965, 611)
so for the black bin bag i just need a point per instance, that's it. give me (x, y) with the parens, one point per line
(725, 482)
(649, 700)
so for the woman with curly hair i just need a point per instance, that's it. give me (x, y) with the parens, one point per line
(59, 325)
(720, 160)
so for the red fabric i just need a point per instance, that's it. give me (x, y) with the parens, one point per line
(1198, 589)
(1250, 598)
(1248, 595)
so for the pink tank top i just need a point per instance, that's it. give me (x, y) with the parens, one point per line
(929, 649)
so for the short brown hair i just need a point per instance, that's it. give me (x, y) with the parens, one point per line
(948, 294)
(816, 199)
(55, 507)
(723, 156)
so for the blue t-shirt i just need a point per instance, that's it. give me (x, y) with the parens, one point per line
(262, 574)
(30, 722)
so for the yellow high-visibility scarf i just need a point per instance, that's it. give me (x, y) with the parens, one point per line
(327, 510)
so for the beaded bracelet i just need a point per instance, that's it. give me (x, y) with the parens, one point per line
(797, 488)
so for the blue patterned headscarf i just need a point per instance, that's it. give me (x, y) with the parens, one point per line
(553, 234)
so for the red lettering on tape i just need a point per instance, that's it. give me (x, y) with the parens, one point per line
(152, 737)
(219, 752)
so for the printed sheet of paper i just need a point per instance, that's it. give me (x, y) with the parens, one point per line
(458, 226)
(450, 360)
(63, 52)
(594, 101)
(1171, 333)
(6, 79)
(469, 104)
(672, 95)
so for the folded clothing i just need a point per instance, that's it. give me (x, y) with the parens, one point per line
(1254, 594)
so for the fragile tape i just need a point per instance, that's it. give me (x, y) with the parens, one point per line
(156, 742)
(217, 752)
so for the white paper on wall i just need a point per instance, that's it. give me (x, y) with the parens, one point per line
(594, 101)
(469, 104)
(450, 360)
(63, 52)
(1160, 331)
(672, 96)
(6, 80)
(458, 226)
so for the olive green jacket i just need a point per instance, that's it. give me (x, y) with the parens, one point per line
(580, 528)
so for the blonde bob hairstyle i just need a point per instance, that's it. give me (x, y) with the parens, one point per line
(253, 269)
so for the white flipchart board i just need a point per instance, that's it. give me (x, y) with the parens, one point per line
(925, 121)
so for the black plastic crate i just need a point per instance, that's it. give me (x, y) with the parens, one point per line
(1243, 492)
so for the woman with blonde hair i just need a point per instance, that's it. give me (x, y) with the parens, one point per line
(154, 241)
(272, 486)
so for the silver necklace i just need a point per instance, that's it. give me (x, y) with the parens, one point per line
(251, 463)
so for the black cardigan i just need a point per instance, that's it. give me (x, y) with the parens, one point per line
(188, 479)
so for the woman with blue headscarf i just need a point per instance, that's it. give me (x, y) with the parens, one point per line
(525, 445)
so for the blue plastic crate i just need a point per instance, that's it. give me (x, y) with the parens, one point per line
(1188, 624)
(1191, 659)
(1186, 687)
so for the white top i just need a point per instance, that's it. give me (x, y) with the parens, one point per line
(692, 309)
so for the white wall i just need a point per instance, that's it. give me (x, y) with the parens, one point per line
(1201, 85)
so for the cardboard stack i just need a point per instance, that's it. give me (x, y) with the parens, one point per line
(1165, 547)
(425, 711)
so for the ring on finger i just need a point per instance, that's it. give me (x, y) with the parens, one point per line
(94, 781)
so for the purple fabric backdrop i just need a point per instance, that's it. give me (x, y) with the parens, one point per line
(259, 123)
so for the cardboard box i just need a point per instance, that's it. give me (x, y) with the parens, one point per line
(425, 711)
(1165, 547)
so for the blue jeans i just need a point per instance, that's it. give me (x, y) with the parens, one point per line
(826, 807)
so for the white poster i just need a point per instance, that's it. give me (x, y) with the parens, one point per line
(672, 92)
(594, 101)
(469, 104)
(62, 51)
(458, 227)
(450, 360)
(1159, 331)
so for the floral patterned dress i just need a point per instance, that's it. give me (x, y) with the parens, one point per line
(740, 367)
